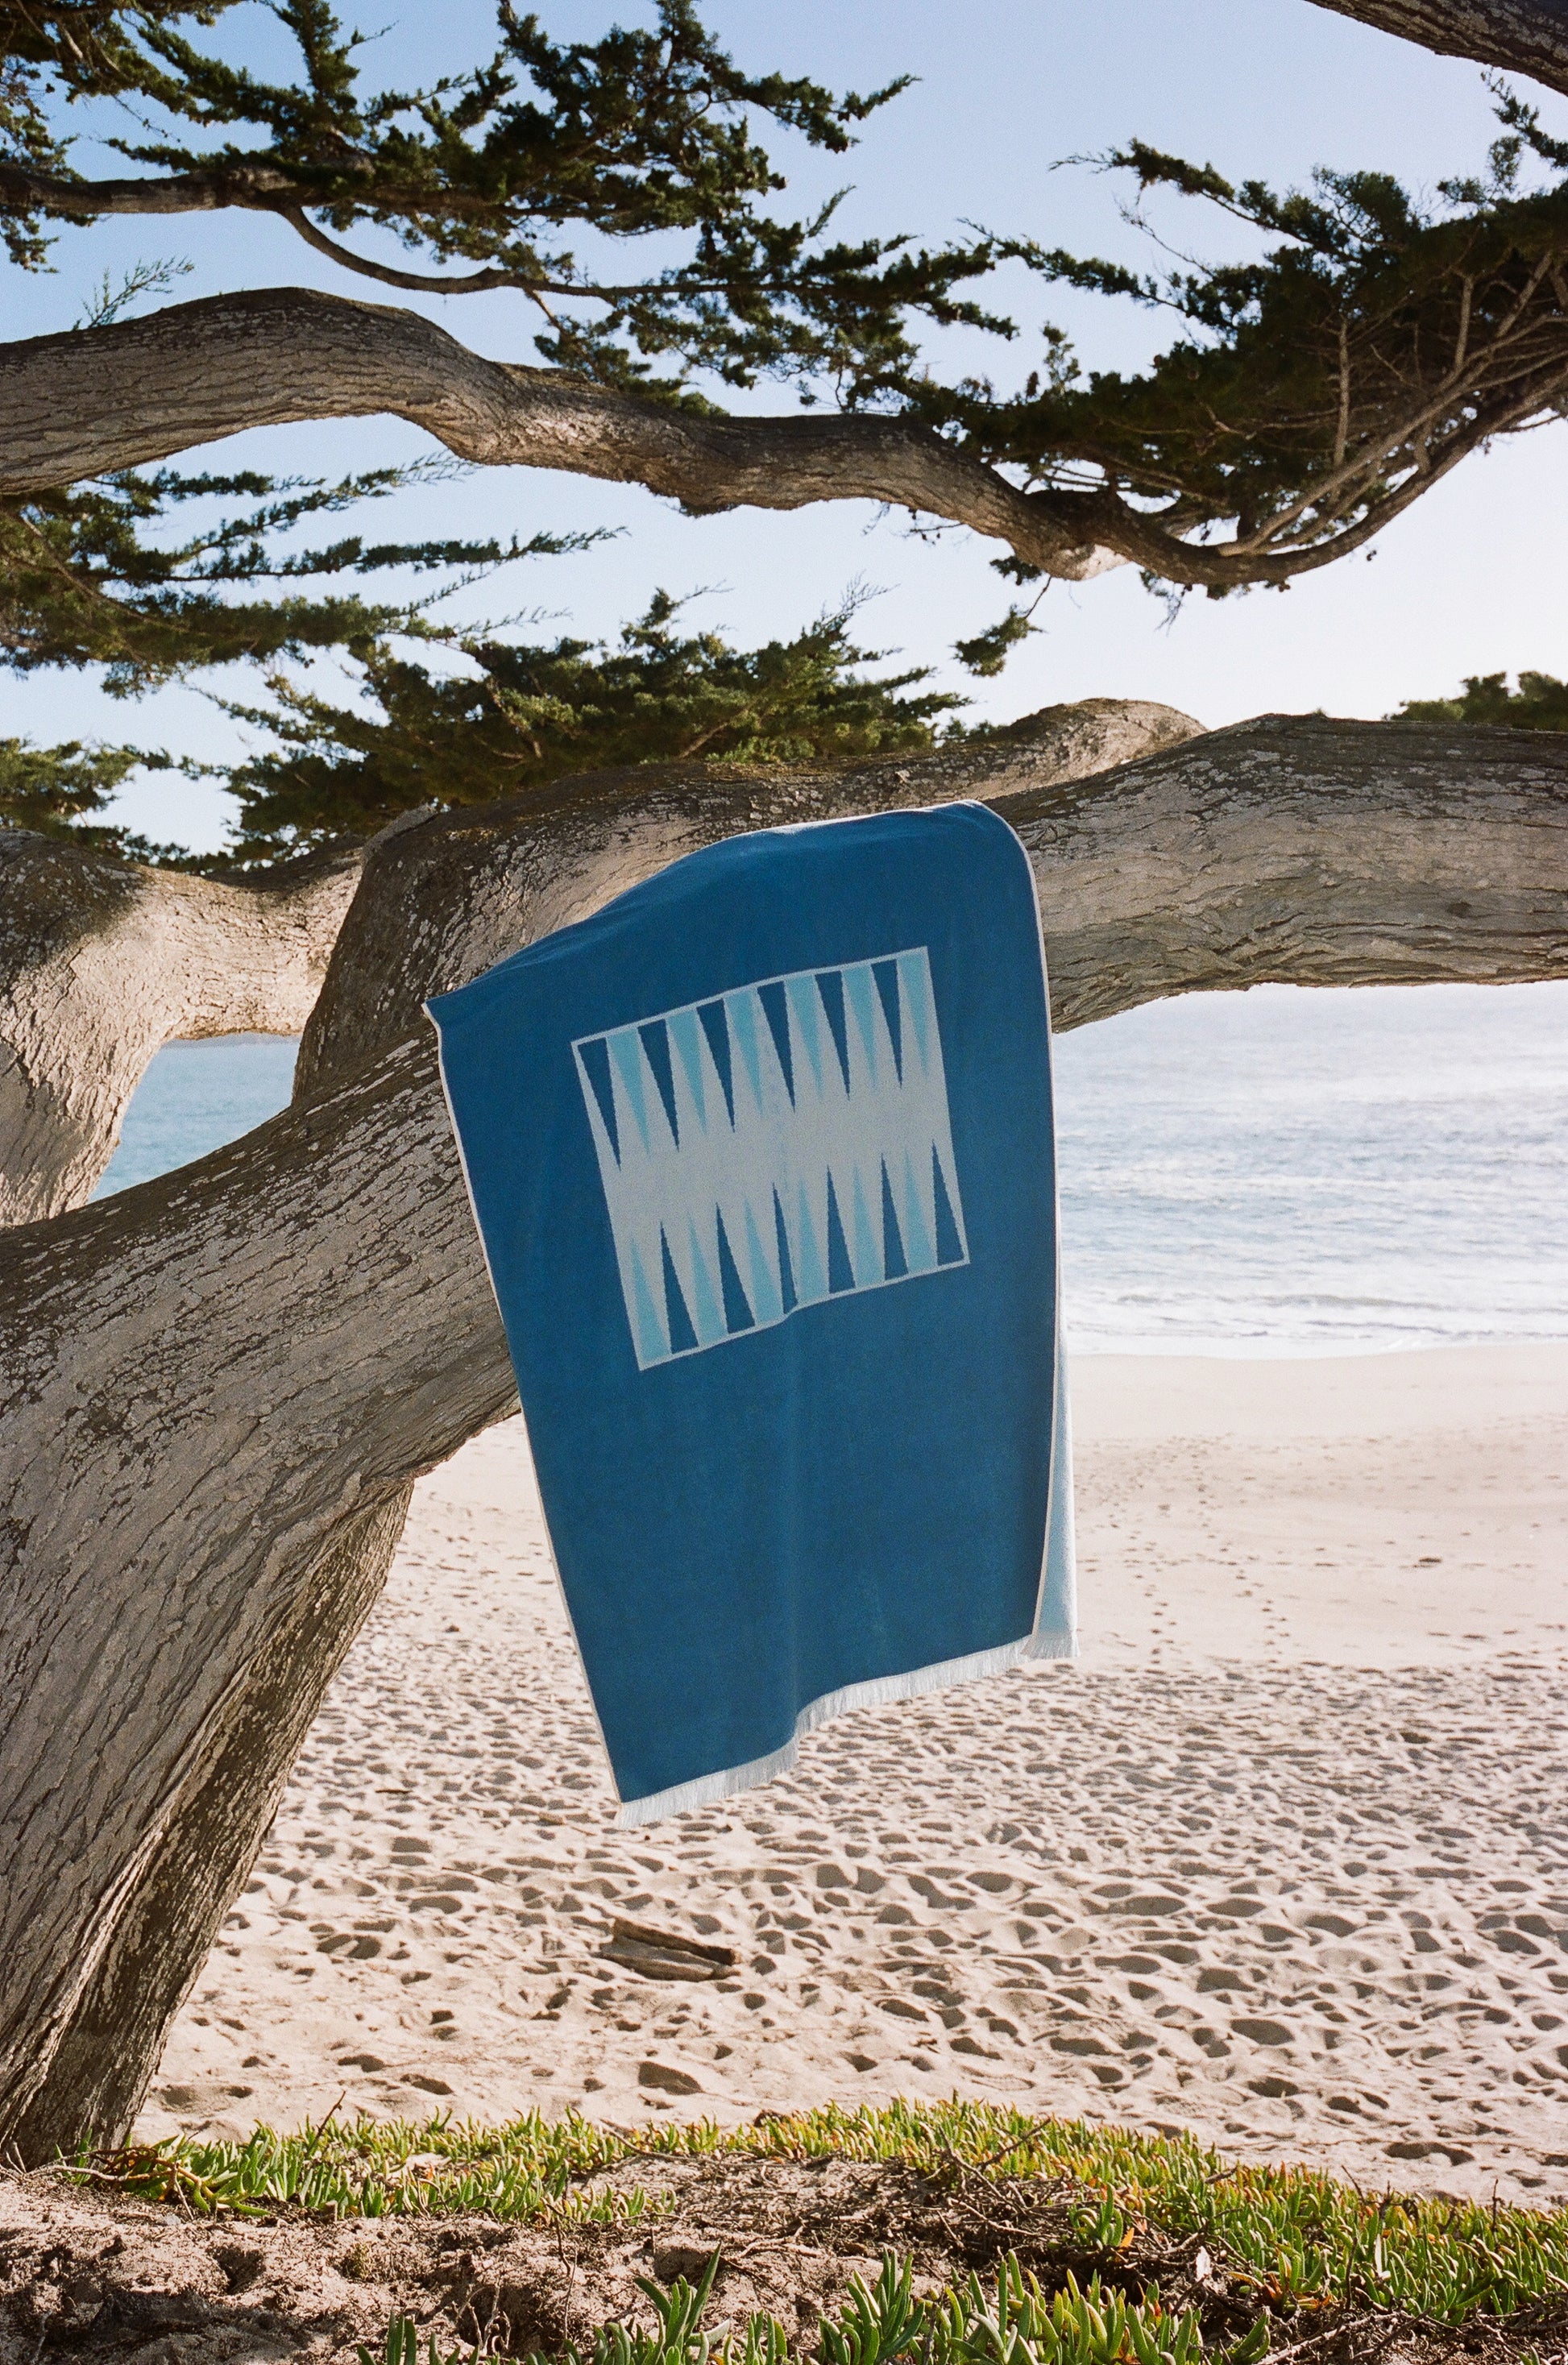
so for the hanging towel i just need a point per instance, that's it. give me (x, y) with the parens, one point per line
(762, 1159)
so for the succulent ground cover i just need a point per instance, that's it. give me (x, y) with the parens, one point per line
(949, 2234)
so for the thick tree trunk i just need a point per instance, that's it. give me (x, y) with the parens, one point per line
(207, 1844)
(235, 1360)
(102, 962)
(1527, 37)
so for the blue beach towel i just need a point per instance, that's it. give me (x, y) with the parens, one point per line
(762, 1160)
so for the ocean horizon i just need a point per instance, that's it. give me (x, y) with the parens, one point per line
(1280, 1171)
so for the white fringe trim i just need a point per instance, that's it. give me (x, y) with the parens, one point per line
(710, 1788)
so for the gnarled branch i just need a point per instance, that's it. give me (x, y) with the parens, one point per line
(238, 1362)
(103, 962)
(1527, 37)
(96, 400)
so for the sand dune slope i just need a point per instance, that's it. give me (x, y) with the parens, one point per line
(1285, 1859)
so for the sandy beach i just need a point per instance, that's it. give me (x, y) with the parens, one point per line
(1282, 1859)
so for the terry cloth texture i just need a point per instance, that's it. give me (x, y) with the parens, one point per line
(762, 1160)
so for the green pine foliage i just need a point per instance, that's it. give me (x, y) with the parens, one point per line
(1309, 394)
(622, 190)
(500, 166)
(1312, 395)
(48, 789)
(1539, 704)
(523, 716)
(107, 575)
(149, 574)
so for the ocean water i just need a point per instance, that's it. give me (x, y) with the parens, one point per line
(197, 1096)
(1289, 1169)
(1279, 1171)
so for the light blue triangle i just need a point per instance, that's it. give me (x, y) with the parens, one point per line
(861, 992)
(626, 1051)
(916, 979)
(707, 1315)
(764, 1292)
(653, 1341)
(687, 1036)
(811, 1276)
(868, 1263)
(741, 1009)
(807, 1006)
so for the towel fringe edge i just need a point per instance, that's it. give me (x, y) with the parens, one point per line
(946, 1676)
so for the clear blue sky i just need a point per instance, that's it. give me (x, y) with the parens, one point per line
(1469, 581)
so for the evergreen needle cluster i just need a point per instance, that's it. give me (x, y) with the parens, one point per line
(520, 717)
(620, 191)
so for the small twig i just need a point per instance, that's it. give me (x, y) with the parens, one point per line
(321, 2126)
(1006, 2151)
(1342, 428)
(1335, 2332)
(571, 2282)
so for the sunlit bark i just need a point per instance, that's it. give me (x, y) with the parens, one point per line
(218, 1380)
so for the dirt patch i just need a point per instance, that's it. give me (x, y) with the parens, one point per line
(87, 2276)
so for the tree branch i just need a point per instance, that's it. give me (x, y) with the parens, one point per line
(258, 186)
(238, 1362)
(93, 400)
(103, 962)
(419, 283)
(1527, 37)
(96, 400)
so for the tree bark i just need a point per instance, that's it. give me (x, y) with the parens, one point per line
(208, 1844)
(102, 962)
(236, 1358)
(1527, 37)
(460, 886)
(213, 1825)
(96, 400)
(91, 399)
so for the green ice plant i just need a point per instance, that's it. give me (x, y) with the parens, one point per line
(1012, 2322)
(1285, 2239)
(377, 2169)
(676, 2337)
(402, 2346)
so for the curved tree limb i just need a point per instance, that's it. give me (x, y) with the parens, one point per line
(236, 1359)
(102, 962)
(1527, 37)
(460, 886)
(91, 400)
(418, 283)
